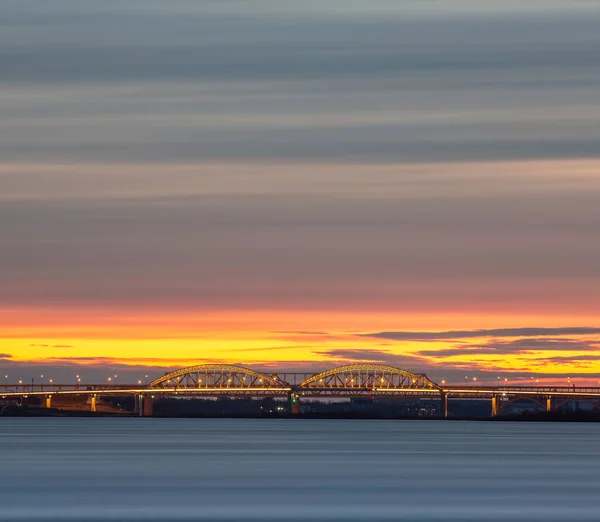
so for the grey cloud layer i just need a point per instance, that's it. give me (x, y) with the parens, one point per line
(266, 62)
(496, 332)
(77, 63)
(516, 347)
(315, 111)
(312, 250)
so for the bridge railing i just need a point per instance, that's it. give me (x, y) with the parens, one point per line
(20, 387)
(517, 388)
(294, 381)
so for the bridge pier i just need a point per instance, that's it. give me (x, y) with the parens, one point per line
(93, 403)
(549, 403)
(48, 401)
(294, 403)
(143, 405)
(444, 405)
(494, 406)
(147, 406)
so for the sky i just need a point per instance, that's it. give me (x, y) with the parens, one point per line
(297, 185)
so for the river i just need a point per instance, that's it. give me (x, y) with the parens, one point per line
(62, 469)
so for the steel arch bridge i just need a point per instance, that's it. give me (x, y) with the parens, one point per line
(353, 380)
(368, 377)
(221, 377)
(342, 380)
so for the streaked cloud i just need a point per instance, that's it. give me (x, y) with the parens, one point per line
(495, 332)
(204, 83)
(572, 358)
(400, 236)
(354, 355)
(516, 347)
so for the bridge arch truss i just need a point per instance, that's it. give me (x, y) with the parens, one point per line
(218, 377)
(374, 378)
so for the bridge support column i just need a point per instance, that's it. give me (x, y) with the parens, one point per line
(294, 403)
(137, 405)
(444, 405)
(548, 403)
(147, 406)
(494, 406)
(48, 401)
(93, 403)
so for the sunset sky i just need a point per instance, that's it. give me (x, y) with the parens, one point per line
(294, 185)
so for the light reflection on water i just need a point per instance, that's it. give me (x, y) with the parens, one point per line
(226, 469)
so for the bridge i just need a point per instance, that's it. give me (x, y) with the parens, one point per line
(348, 381)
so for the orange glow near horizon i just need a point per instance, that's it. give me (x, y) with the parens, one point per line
(291, 340)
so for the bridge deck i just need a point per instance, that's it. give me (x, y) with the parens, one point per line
(12, 390)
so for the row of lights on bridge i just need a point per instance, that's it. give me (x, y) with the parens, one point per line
(443, 382)
(77, 377)
(532, 380)
(110, 379)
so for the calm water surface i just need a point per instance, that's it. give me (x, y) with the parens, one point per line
(288, 470)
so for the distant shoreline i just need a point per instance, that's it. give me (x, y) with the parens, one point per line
(14, 412)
